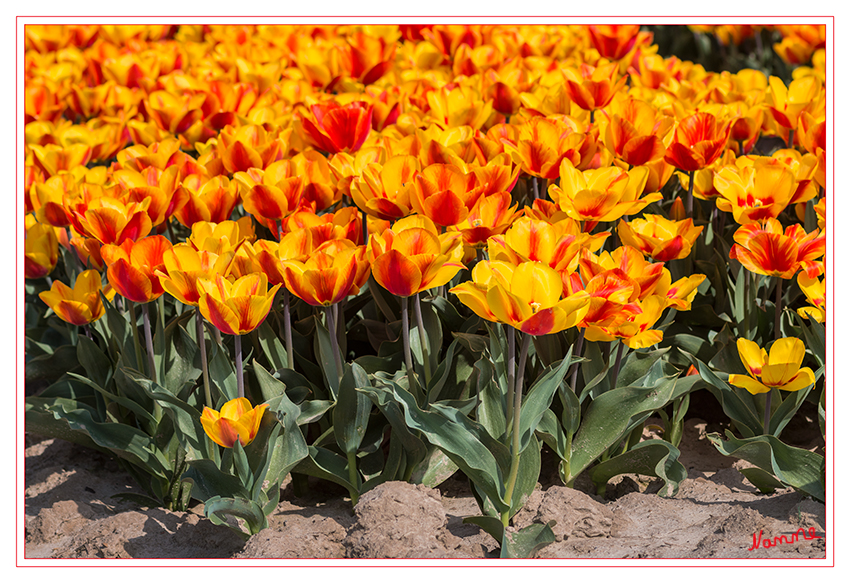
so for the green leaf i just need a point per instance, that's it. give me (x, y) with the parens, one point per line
(638, 364)
(433, 336)
(737, 404)
(786, 411)
(550, 431)
(434, 470)
(524, 543)
(222, 374)
(133, 406)
(538, 400)
(272, 347)
(50, 367)
(326, 358)
(527, 475)
(248, 510)
(611, 414)
(312, 411)
(441, 375)
(762, 480)
(68, 388)
(210, 481)
(97, 365)
(489, 524)
(649, 458)
(175, 357)
(415, 450)
(351, 413)
(803, 470)
(327, 465)
(457, 437)
(240, 464)
(492, 406)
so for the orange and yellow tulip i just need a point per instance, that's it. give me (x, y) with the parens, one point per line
(80, 305)
(332, 273)
(444, 193)
(338, 128)
(412, 257)
(767, 250)
(527, 297)
(385, 191)
(41, 250)
(660, 238)
(697, 141)
(599, 195)
(132, 267)
(635, 133)
(778, 370)
(184, 266)
(236, 421)
(238, 307)
(754, 193)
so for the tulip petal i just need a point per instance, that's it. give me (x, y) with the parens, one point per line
(396, 273)
(750, 384)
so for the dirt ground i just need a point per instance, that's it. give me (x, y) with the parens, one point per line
(71, 513)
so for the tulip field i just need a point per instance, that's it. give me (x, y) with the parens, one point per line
(364, 254)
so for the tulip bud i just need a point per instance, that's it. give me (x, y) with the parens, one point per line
(677, 211)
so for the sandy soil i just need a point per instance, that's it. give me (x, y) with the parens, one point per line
(71, 512)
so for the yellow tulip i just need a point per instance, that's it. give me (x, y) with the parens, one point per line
(778, 370)
(237, 420)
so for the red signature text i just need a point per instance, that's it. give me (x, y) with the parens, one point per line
(782, 540)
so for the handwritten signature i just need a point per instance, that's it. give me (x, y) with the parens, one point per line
(779, 540)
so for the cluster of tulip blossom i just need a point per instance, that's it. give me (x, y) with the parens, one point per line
(220, 164)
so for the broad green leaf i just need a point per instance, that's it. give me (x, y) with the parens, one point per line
(637, 364)
(326, 358)
(527, 475)
(550, 431)
(434, 470)
(457, 441)
(175, 357)
(248, 510)
(50, 367)
(327, 465)
(786, 411)
(433, 336)
(654, 457)
(97, 365)
(538, 400)
(222, 374)
(801, 469)
(133, 406)
(351, 413)
(764, 481)
(611, 414)
(383, 398)
(524, 543)
(492, 406)
(489, 524)
(68, 388)
(737, 404)
(273, 348)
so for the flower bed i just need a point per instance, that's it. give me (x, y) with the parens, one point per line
(385, 259)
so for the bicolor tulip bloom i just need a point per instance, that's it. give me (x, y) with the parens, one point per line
(635, 133)
(412, 257)
(660, 238)
(238, 307)
(184, 266)
(593, 87)
(111, 221)
(778, 370)
(767, 250)
(636, 330)
(786, 104)
(491, 215)
(272, 194)
(754, 193)
(444, 193)
(332, 273)
(815, 291)
(338, 128)
(80, 305)
(385, 191)
(132, 267)
(210, 200)
(219, 238)
(236, 421)
(605, 194)
(527, 297)
(697, 142)
(41, 251)
(459, 105)
(544, 144)
(614, 41)
(680, 293)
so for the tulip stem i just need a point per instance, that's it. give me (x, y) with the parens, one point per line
(217, 334)
(511, 363)
(509, 486)
(578, 346)
(171, 232)
(240, 381)
(405, 341)
(352, 477)
(202, 345)
(617, 364)
(287, 330)
(534, 187)
(330, 313)
(689, 202)
(365, 225)
(136, 340)
(777, 334)
(146, 321)
(423, 341)
(279, 230)
(88, 332)
(768, 395)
